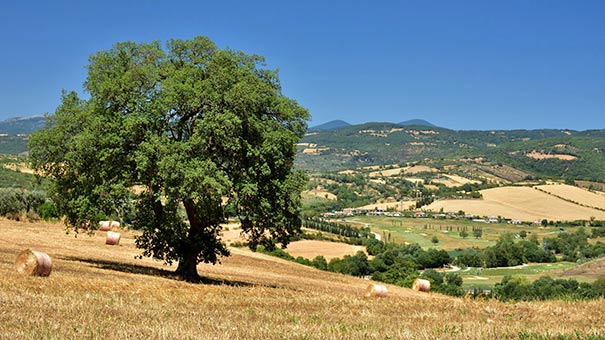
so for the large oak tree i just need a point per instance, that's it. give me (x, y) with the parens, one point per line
(204, 134)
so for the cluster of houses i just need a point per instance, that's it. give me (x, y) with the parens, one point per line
(349, 212)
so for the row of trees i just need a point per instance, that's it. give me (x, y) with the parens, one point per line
(505, 253)
(519, 288)
(509, 252)
(346, 230)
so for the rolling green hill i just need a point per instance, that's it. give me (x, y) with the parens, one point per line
(13, 144)
(541, 153)
(22, 125)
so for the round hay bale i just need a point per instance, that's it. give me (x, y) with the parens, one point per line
(104, 225)
(421, 285)
(32, 262)
(114, 224)
(375, 290)
(113, 238)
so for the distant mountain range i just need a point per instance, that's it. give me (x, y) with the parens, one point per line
(27, 125)
(337, 124)
(22, 125)
(331, 125)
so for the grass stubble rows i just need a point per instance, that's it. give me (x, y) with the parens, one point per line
(97, 291)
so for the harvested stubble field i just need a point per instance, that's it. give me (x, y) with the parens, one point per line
(309, 249)
(398, 205)
(575, 194)
(102, 292)
(521, 203)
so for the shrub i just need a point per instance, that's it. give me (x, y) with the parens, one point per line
(320, 262)
(304, 261)
(12, 201)
(48, 210)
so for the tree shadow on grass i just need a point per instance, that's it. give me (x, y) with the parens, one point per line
(151, 271)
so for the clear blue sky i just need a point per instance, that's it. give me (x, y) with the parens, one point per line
(458, 64)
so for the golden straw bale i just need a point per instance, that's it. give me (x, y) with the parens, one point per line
(107, 225)
(104, 225)
(421, 285)
(113, 238)
(32, 262)
(376, 290)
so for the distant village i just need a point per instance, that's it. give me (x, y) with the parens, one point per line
(377, 211)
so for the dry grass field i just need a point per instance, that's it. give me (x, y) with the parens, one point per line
(451, 181)
(593, 269)
(19, 167)
(541, 155)
(388, 173)
(418, 169)
(575, 194)
(319, 193)
(521, 203)
(97, 291)
(309, 249)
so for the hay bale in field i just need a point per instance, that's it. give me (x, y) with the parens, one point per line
(104, 225)
(107, 225)
(113, 238)
(32, 262)
(376, 290)
(421, 285)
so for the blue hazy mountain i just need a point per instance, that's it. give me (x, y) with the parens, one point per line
(22, 125)
(331, 125)
(418, 122)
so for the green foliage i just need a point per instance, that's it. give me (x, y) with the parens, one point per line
(11, 201)
(498, 147)
(16, 201)
(14, 179)
(375, 247)
(469, 258)
(545, 288)
(320, 262)
(278, 252)
(48, 211)
(13, 144)
(574, 246)
(342, 229)
(191, 124)
(505, 253)
(477, 233)
(463, 233)
(356, 265)
(351, 191)
(303, 261)
(448, 283)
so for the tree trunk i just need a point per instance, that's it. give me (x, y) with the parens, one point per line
(187, 268)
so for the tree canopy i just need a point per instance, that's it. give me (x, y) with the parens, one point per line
(203, 134)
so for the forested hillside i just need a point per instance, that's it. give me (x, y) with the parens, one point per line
(559, 153)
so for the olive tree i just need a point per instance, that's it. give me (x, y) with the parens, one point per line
(189, 134)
